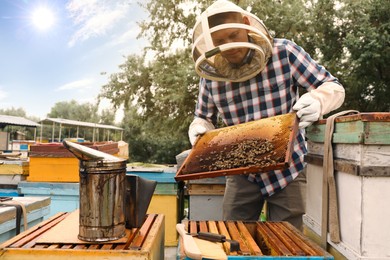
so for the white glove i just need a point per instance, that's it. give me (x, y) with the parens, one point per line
(198, 127)
(318, 102)
(331, 96)
(308, 110)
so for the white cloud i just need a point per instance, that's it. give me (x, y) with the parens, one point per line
(126, 37)
(95, 18)
(77, 85)
(126, 41)
(3, 94)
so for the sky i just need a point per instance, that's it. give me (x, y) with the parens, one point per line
(57, 50)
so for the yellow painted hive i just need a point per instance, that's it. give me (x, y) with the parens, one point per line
(54, 163)
(142, 243)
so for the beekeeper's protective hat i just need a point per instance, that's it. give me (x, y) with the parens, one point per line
(210, 64)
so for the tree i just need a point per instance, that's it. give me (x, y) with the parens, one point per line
(367, 37)
(13, 112)
(85, 112)
(157, 105)
(107, 117)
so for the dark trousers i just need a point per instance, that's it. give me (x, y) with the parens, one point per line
(243, 201)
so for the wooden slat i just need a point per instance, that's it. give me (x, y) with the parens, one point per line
(235, 235)
(309, 247)
(13, 240)
(41, 246)
(249, 241)
(193, 228)
(54, 246)
(131, 237)
(107, 246)
(272, 241)
(212, 225)
(94, 246)
(206, 189)
(80, 247)
(120, 247)
(154, 234)
(223, 231)
(143, 232)
(203, 226)
(67, 246)
(27, 238)
(287, 241)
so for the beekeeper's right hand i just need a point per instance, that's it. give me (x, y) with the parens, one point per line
(198, 127)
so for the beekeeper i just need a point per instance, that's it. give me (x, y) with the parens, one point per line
(248, 75)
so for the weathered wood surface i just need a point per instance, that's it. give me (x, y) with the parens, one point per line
(356, 159)
(261, 238)
(364, 128)
(146, 242)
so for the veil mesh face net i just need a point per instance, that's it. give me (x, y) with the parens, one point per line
(208, 58)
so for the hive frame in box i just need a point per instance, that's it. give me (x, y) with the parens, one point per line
(257, 240)
(276, 124)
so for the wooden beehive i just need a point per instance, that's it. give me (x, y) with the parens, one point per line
(261, 239)
(146, 242)
(361, 160)
(164, 194)
(54, 163)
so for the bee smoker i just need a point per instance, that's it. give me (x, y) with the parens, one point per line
(109, 200)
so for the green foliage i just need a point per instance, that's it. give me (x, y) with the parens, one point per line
(146, 145)
(85, 112)
(284, 19)
(132, 85)
(159, 100)
(13, 112)
(169, 22)
(367, 37)
(107, 117)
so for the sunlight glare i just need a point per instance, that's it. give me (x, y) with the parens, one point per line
(43, 18)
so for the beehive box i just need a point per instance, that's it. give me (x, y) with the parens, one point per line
(54, 163)
(361, 147)
(36, 209)
(64, 196)
(205, 198)
(141, 243)
(259, 240)
(164, 200)
(22, 146)
(13, 171)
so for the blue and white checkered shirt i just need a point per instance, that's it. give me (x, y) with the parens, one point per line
(272, 92)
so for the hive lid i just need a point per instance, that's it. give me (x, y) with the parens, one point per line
(370, 128)
(251, 147)
(365, 117)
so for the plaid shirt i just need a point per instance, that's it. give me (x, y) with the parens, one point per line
(272, 92)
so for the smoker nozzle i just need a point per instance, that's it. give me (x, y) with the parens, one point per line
(84, 153)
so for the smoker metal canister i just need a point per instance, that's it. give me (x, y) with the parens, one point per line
(102, 189)
(102, 186)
